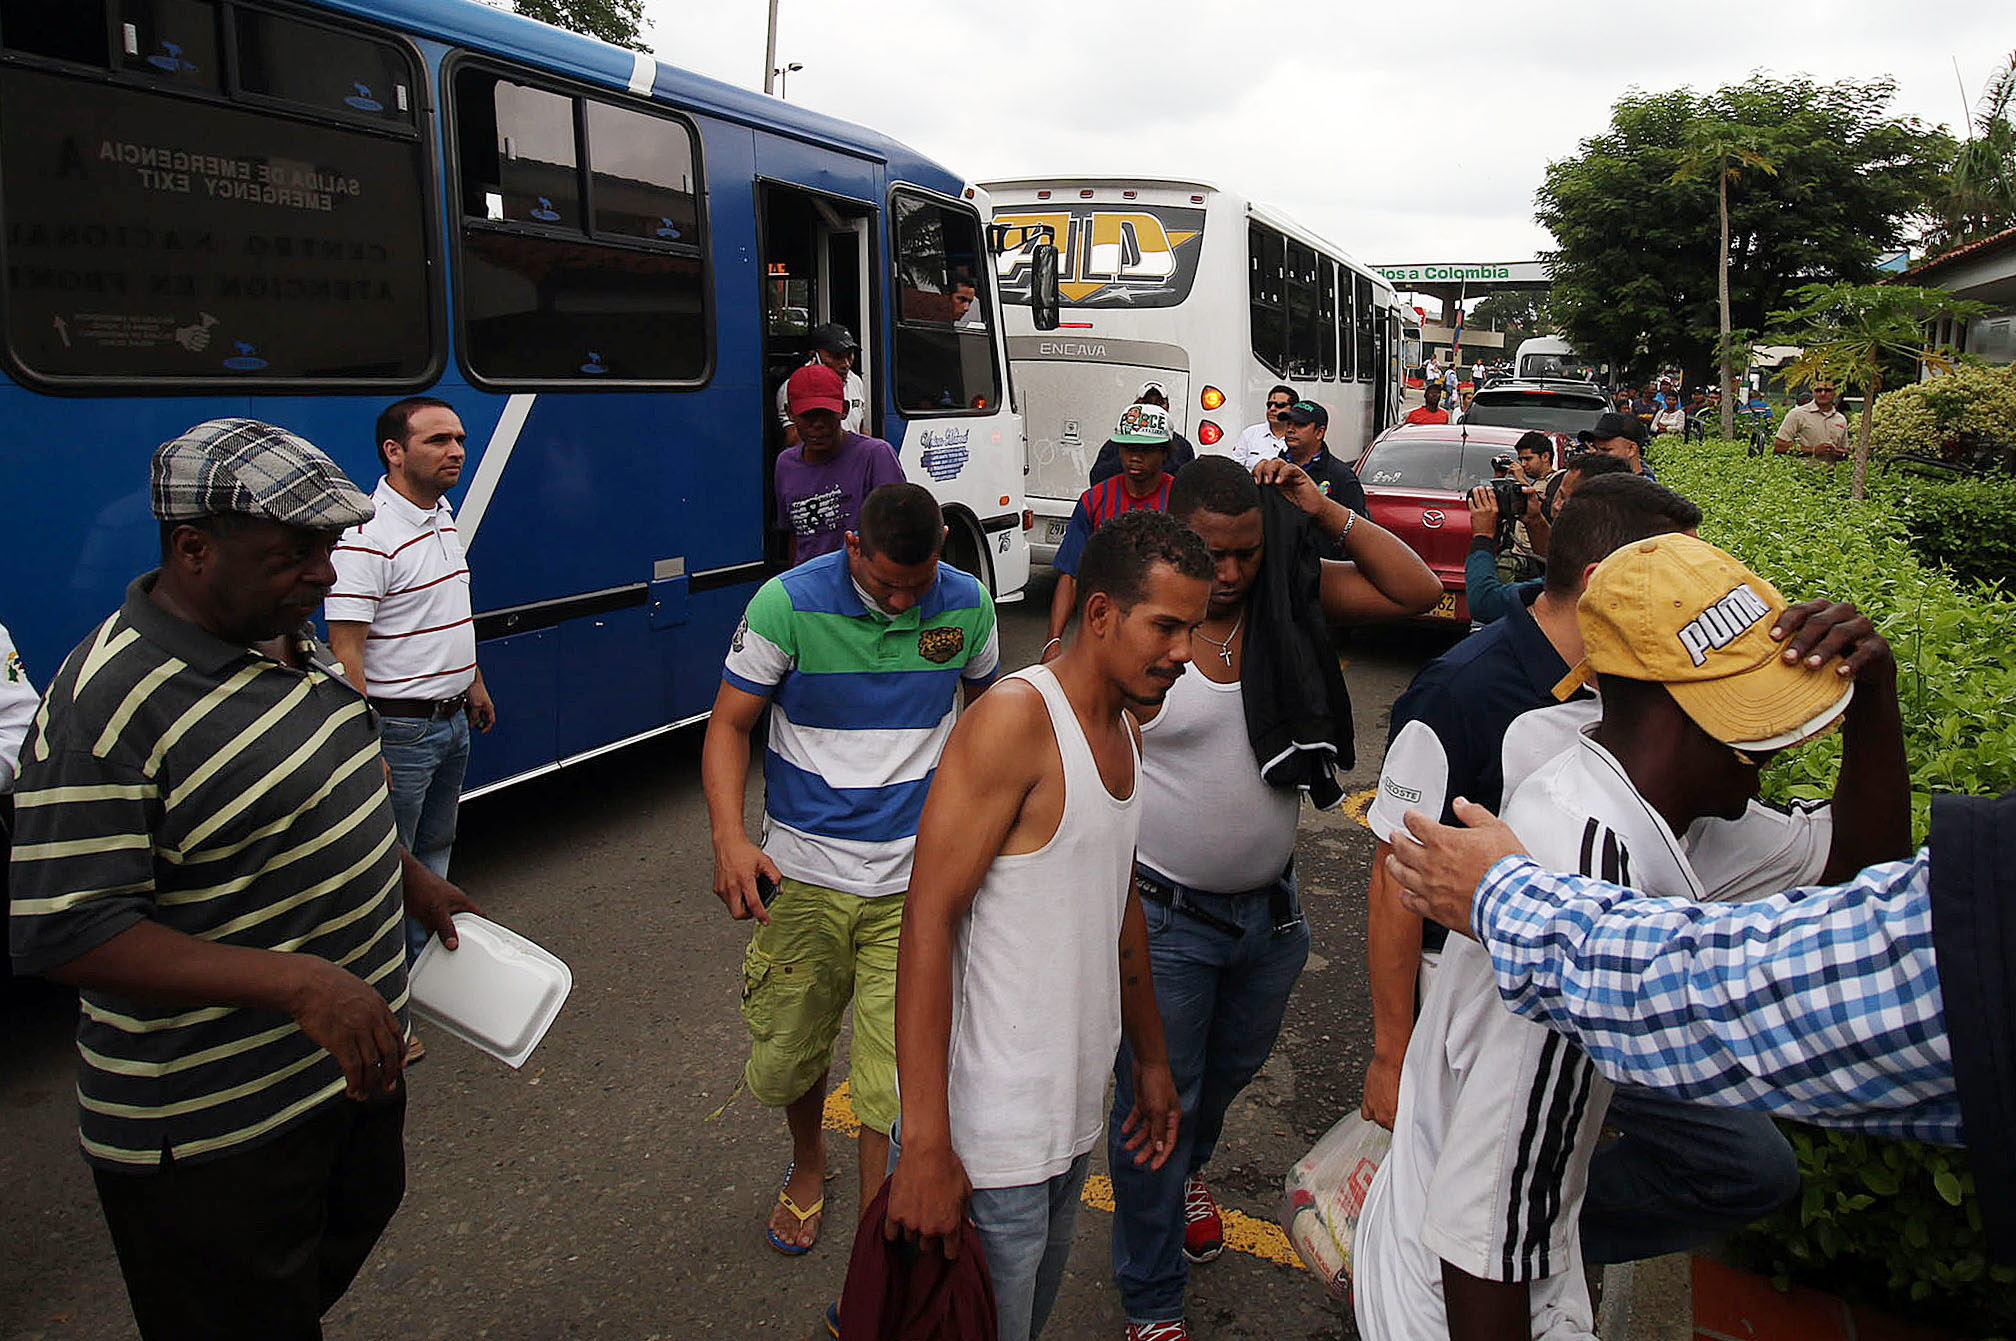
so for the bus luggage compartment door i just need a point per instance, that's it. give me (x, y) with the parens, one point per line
(1071, 408)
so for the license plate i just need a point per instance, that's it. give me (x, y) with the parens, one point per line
(1444, 608)
(1054, 528)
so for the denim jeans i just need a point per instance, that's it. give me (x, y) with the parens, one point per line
(1026, 1232)
(1680, 1176)
(427, 758)
(1222, 998)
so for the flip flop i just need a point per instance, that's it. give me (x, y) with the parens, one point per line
(784, 1200)
(833, 1318)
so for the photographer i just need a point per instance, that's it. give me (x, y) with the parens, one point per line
(1496, 508)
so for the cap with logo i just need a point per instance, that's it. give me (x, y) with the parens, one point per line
(253, 469)
(1676, 611)
(1611, 424)
(1308, 412)
(833, 338)
(815, 387)
(1143, 425)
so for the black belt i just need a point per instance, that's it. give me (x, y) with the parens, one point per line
(1280, 904)
(434, 709)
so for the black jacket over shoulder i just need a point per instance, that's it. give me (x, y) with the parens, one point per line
(1973, 882)
(1298, 713)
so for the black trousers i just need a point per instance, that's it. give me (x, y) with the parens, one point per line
(257, 1246)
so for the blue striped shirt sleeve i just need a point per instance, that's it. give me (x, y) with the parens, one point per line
(1819, 1004)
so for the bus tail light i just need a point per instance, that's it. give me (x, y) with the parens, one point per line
(1212, 398)
(1209, 433)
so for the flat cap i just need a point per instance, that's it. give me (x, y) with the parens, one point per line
(255, 469)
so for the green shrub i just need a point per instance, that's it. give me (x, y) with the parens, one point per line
(1967, 527)
(1924, 416)
(1891, 1220)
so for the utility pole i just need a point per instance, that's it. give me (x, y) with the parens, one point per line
(770, 52)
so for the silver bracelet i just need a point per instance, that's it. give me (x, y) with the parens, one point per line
(1350, 520)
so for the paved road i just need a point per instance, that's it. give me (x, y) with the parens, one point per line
(584, 1196)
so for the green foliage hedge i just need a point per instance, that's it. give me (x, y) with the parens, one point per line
(1890, 1221)
(1967, 527)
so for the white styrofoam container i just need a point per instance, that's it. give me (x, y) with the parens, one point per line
(496, 990)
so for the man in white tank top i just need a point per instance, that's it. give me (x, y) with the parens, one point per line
(1226, 935)
(1024, 954)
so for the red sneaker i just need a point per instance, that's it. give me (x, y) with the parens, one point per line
(1203, 1230)
(1158, 1331)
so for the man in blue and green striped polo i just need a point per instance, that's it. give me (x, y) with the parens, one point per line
(859, 656)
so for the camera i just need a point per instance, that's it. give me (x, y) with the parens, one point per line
(1511, 499)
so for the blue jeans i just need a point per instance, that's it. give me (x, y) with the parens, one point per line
(427, 758)
(1026, 1232)
(1222, 998)
(1680, 1176)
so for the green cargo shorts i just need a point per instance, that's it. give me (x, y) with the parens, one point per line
(820, 949)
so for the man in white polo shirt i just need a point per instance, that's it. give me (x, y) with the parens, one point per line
(401, 623)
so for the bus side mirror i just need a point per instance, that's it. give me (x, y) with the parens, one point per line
(1045, 304)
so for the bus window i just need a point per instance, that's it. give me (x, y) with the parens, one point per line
(1267, 258)
(313, 66)
(945, 360)
(544, 296)
(155, 238)
(174, 41)
(1347, 329)
(641, 175)
(1368, 321)
(1303, 338)
(1326, 321)
(70, 32)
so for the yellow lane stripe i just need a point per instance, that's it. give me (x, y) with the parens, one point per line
(1357, 803)
(1243, 1233)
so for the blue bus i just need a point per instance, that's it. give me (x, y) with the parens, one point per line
(300, 212)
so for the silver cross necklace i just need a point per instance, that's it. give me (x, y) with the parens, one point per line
(1224, 648)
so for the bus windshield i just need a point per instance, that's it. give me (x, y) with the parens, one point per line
(1139, 256)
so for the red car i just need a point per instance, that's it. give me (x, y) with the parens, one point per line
(1417, 478)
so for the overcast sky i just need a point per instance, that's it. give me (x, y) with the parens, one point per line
(1399, 139)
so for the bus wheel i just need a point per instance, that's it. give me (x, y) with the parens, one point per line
(966, 551)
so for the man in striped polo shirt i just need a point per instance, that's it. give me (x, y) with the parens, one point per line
(206, 849)
(401, 623)
(858, 655)
(1142, 437)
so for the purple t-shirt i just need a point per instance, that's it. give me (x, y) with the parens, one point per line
(819, 504)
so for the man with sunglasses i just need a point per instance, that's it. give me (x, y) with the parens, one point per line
(1818, 430)
(1269, 438)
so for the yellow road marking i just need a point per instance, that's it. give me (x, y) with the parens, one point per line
(1243, 1233)
(1357, 803)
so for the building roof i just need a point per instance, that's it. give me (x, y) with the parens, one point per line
(1980, 250)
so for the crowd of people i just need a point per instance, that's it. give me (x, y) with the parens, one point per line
(233, 838)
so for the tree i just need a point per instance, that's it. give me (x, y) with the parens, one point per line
(1635, 271)
(616, 21)
(1851, 331)
(1520, 315)
(1979, 195)
(1722, 150)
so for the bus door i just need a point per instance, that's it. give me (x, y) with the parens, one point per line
(815, 255)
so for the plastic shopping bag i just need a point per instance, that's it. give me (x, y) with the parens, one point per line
(1325, 1193)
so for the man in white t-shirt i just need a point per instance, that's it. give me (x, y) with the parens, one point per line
(1269, 438)
(1471, 1224)
(832, 347)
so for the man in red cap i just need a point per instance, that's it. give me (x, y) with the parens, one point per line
(822, 481)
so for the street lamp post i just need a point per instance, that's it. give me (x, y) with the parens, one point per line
(784, 73)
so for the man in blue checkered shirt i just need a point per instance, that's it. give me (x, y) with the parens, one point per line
(1885, 1004)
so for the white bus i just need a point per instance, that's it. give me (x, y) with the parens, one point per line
(1212, 295)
